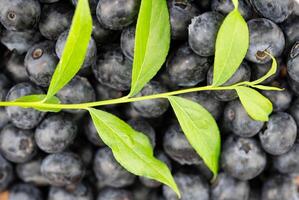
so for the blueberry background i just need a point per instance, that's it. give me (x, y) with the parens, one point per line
(46, 156)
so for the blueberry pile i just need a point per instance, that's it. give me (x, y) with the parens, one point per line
(60, 156)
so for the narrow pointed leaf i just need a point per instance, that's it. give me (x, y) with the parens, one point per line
(130, 148)
(39, 98)
(264, 87)
(256, 105)
(200, 129)
(231, 46)
(152, 42)
(75, 48)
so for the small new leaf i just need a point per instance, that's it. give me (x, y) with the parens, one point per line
(264, 87)
(130, 148)
(37, 102)
(231, 46)
(256, 105)
(200, 129)
(152, 42)
(75, 48)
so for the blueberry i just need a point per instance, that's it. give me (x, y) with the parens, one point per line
(19, 15)
(185, 68)
(275, 10)
(55, 19)
(84, 150)
(80, 192)
(104, 93)
(226, 7)
(117, 14)
(20, 41)
(90, 57)
(115, 194)
(259, 70)
(228, 188)
(48, 1)
(55, 133)
(78, 90)
(62, 169)
(288, 162)
(293, 63)
(15, 68)
(92, 4)
(191, 187)
(280, 134)
(237, 120)
(203, 31)
(144, 127)
(294, 110)
(25, 192)
(181, 12)
(109, 172)
(6, 174)
(30, 172)
(264, 35)
(242, 158)
(17, 145)
(290, 27)
(278, 188)
(127, 42)
(40, 63)
(243, 73)
(4, 86)
(294, 85)
(91, 133)
(25, 118)
(151, 108)
(177, 147)
(113, 69)
(100, 34)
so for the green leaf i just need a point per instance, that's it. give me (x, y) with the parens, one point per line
(130, 148)
(200, 129)
(231, 46)
(152, 42)
(75, 48)
(256, 105)
(264, 87)
(37, 102)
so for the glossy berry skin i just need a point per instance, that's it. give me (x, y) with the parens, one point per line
(80, 192)
(293, 63)
(6, 174)
(25, 192)
(294, 85)
(191, 187)
(237, 120)
(17, 145)
(274, 10)
(29, 172)
(92, 133)
(55, 19)
(294, 110)
(127, 42)
(24, 118)
(290, 27)
(62, 169)
(151, 108)
(242, 158)
(15, 68)
(78, 90)
(279, 187)
(4, 86)
(100, 34)
(181, 13)
(185, 68)
(264, 35)
(288, 162)
(280, 134)
(243, 73)
(40, 63)
(19, 15)
(144, 127)
(113, 69)
(90, 57)
(117, 14)
(109, 172)
(55, 133)
(203, 31)
(115, 194)
(177, 147)
(20, 41)
(226, 187)
(226, 7)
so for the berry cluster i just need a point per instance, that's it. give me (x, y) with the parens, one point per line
(60, 156)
